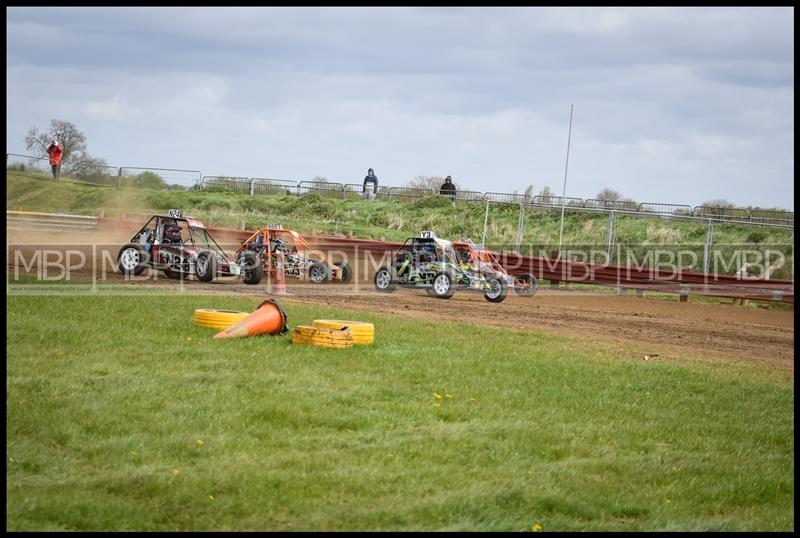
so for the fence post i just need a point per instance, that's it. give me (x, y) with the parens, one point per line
(485, 221)
(610, 241)
(707, 247)
(119, 177)
(520, 224)
(252, 181)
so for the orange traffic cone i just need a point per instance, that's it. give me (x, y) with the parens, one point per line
(268, 318)
(279, 286)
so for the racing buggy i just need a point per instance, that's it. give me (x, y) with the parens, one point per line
(477, 258)
(260, 252)
(179, 246)
(430, 263)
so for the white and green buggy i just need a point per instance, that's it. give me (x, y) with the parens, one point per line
(430, 263)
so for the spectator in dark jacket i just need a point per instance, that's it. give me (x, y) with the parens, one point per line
(370, 178)
(447, 188)
(371, 183)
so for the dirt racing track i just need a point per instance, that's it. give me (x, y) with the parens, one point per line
(664, 327)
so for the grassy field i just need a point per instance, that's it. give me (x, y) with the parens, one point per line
(397, 220)
(122, 415)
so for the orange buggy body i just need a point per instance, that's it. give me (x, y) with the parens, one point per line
(263, 251)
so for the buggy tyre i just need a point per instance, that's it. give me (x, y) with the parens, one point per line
(217, 319)
(498, 291)
(132, 259)
(251, 268)
(385, 280)
(526, 285)
(443, 285)
(347, 271)
(205, 266)
(318, 273)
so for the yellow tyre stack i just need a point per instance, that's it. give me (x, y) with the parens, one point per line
(217, 319)
(363, 333)
(333, 338)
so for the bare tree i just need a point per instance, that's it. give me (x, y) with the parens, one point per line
(75, 159)
(724, 204)
(528, 194)
(545, 195)
(320, 179)
(607, 195)
(426, 182)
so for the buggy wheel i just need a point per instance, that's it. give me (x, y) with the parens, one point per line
(347, 271)
(205, 267)
(132, 259)
(251, 268)
(526, 285)
(318, 273)
(443, 285)
(498, 290)
(384, 281)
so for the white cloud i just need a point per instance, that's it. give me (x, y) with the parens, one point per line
(113, 110)
(673, 104)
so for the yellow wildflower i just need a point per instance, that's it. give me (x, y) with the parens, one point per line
(199, 442)
(536, 527)
(176, 472)
(437, 395)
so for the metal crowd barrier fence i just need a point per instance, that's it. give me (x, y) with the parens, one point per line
(722, 212)
(558, 201)
(408, 193)
(326, 189)
(138, 176)
(469, 196)
(144, 177)
(612, 204)
(504, 198)
(655, 207)
(235, 184)
(265, 187)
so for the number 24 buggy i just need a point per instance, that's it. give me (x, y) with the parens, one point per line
(179, 246)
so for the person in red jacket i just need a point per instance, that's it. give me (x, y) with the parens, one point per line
(55, 151)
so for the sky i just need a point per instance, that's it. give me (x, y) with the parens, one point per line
(671, 105)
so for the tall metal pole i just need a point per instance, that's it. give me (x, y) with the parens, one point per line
(520, 223)
(485, 220)
(610, 242)
(564, 190)
(707, 247)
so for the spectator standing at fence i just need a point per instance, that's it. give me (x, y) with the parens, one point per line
(447, 188)
(55, 151)
(370, 182)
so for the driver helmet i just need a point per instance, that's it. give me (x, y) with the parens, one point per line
(172, 232)
(279, 244)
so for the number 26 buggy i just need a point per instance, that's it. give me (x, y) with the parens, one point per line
(179, 246)
(259, 253)
(430, 263)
